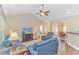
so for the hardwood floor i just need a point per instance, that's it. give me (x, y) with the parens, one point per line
(65, 49)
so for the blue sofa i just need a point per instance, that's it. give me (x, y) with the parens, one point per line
(45, 47)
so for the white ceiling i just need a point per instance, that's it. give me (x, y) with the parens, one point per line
(57, 11)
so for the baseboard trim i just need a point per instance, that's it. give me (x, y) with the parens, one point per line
(74, 47)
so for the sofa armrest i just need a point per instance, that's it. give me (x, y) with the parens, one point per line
(32, 52)
(5, 51)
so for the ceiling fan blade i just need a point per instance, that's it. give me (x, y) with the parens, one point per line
(41, 15)
(46, 14)
(47, 11)
(40, 10)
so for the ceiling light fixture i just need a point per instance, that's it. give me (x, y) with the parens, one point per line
(68, 12)
(42, 11)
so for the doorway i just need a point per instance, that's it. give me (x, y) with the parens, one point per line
(61, 30)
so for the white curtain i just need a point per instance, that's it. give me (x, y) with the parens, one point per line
(1, 25)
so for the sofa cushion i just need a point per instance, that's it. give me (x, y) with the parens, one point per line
(41, 43)
(38, 44)
(34, 46)
(49, 35)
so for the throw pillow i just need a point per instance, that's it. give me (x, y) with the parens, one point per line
(7, 43)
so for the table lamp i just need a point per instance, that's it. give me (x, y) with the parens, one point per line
(13, 35)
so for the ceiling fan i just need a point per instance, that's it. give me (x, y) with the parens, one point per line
(42, 12)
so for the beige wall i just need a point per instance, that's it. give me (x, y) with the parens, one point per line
(72, 25)
(16, 22)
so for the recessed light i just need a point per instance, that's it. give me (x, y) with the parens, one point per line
(68, 12)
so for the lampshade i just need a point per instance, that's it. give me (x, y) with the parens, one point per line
(14, 36)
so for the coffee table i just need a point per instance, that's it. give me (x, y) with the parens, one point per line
(19, 50)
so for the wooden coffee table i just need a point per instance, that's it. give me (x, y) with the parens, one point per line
(19, 50)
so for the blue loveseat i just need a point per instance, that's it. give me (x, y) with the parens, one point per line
(45, 47)
(6, 45)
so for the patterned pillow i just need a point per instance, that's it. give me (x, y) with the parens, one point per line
(7, 43)
(18, 42)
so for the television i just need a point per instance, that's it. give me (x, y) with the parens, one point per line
(27, 28)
